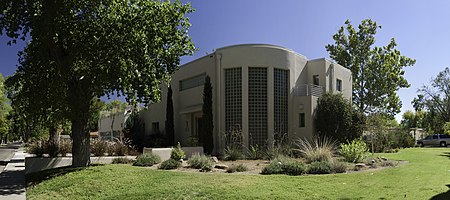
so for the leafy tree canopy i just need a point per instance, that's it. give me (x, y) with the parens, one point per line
(434, 98)
(85, 49)
(336, 118)
(377, 71)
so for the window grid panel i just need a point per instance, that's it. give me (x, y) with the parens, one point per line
(233, 98)
(257, 105)
(281, 92)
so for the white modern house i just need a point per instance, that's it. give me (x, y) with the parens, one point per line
(111, 124)
(265, 90)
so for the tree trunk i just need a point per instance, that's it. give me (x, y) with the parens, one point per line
(54, 135)
(81, 146)
(79, 99)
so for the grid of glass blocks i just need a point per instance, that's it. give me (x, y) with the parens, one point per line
(257, 105)
(281, 90)
(192, 82)
(233, 98)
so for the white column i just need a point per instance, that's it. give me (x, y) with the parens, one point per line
(245, 131)
(270, 106)
(218, 137)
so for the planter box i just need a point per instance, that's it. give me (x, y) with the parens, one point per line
(164, 153)
(36, 164)
(189, 151)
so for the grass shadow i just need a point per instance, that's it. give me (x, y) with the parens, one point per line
(37, 177)
(445, 154)
(442, 196)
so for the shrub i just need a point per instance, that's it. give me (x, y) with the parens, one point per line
(120, 148)
(65, 147)
(315, 150)
(354, 151)
(52, 148)
(237, 168)
(98, 147)
(202, 162)
(110, 149)
(294, 167)
(273, 168)
(320, 167)
(233, 153)
(284, 165)
(121, 160)
(37, 148)
(170, 164)
(177, 153)
(336, 118)
(147, 160)
(339, 167)
(388, 163)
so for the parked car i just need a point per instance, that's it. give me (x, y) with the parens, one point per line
(435, 140)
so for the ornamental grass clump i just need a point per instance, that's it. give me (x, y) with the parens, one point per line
(316, 149)
(233, 153)
(147, 160)
(354, 151)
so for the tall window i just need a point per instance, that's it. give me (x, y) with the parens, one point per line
(233, 98)
(281, 90)
(257, 105)
(316, 79)
(192, 82)
(301, 120)
(339, 85)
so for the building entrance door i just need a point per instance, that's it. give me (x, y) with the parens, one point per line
(198, 126)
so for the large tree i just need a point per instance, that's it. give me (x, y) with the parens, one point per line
(5, 108)
(377, 72)
(435, 99)
(88, 49)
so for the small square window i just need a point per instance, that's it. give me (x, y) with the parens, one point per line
(339, 85)
(316, 79)
(301, 120)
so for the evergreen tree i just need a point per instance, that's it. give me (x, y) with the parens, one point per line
(206, 135)
(170, 130)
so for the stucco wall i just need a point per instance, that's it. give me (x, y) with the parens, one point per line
(187, 103)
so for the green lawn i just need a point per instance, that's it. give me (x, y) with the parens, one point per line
(424, 177)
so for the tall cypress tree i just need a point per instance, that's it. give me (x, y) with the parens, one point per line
(170, 130)
(206, 137)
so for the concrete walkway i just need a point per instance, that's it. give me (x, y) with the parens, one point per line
(12, 179)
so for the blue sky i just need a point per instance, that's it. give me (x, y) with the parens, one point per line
(421, 29)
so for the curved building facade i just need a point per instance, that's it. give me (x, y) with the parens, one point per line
(266, 92)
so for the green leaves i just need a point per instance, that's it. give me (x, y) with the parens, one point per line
(377, 71)
(82, 50)
(434, 98)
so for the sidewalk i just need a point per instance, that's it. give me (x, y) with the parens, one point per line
(12, 179)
